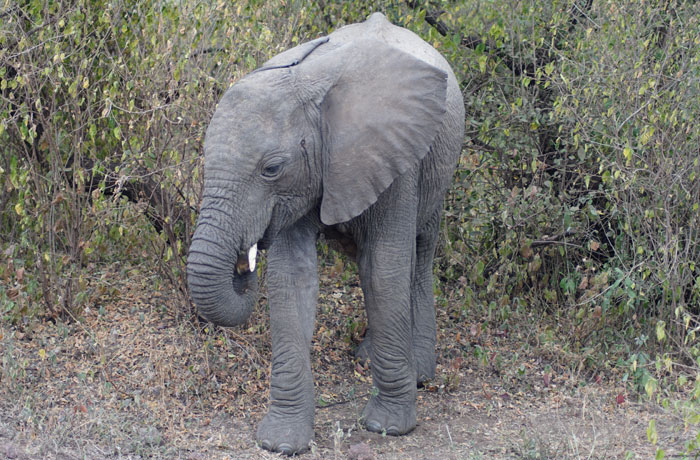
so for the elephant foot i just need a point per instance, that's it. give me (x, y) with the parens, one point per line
(390, 418)
(286, 435)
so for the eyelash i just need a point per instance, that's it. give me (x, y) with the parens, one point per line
(275, 166)
(272, 170)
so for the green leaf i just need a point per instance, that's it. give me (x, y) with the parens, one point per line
(627, 153)
(482, 60)
(73, 88)
(650, 387)
(660, 331)
(549, 68)
(652, 435)
(646, 135)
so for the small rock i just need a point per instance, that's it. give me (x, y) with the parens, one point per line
(150, 436)
(10, 451)
(360, 451)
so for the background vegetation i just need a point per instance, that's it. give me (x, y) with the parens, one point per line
(576, 202)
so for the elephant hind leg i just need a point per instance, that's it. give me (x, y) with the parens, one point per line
(424, 329)
(423, 301)
(385, 263)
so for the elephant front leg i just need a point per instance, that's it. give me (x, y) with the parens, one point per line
(385, 272)
(292, 292)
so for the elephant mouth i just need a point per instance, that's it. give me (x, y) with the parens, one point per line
(246, 261)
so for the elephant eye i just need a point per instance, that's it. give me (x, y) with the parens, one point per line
(272, 170)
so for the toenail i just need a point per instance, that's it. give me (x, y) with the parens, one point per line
(373, 425)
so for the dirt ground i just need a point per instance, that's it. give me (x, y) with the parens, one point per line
(132, 379)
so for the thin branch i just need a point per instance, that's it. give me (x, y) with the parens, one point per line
(633, 114)
(8, 11)
(539, 243)
(576, 12)
(556, 239)
(207, 51)
(344, 401)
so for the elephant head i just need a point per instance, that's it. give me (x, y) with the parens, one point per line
(323, 128)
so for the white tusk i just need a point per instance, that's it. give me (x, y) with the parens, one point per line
(251, 257)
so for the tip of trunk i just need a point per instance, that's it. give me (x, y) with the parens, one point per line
(223, 299)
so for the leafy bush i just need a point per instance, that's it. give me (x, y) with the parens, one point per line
(577, 191)
(105, 104)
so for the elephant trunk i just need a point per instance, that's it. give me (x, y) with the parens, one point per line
(221, 277)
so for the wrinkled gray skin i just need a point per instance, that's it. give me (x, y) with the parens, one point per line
(358, 140)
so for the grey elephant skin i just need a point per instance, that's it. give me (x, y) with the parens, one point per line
(355, 135)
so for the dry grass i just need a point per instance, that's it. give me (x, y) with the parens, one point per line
(130, 380)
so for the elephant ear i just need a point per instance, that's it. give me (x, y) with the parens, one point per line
(381, 113)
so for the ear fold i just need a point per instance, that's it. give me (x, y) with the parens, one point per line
(382, 111)
(293, 56)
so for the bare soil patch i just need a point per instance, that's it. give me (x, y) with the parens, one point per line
(132, 380)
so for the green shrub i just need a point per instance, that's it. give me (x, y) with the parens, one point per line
(578, 190)
(103, 109)
(578, 187)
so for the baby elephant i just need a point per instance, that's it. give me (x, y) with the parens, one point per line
(355, 135)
